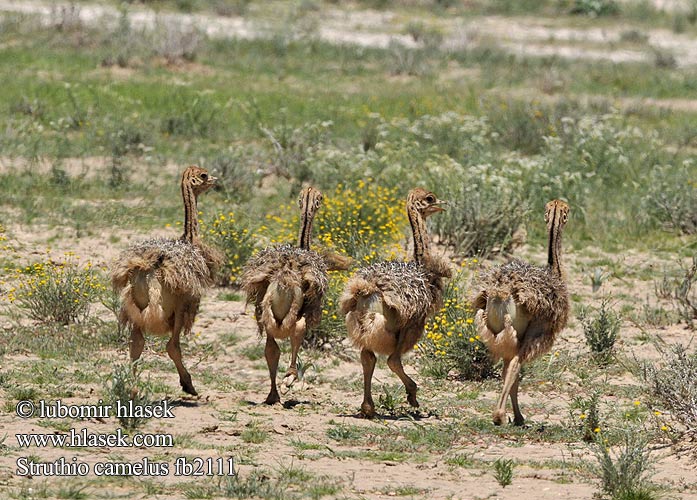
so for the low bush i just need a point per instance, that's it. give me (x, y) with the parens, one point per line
(672, 197)
(483, 217)
(57, 292)
(236, 177)
(124, 385)
(601, 331)
(450, 340)
(624, 473)
(363, 220)
(672, 384)
(237, 242)
(332, 328)
(595, 8)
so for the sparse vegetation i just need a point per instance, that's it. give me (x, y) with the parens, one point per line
(237, 242)
(124, 385)
(595, 8)
(601, 332)
(625, 472)
(683, 296)
(450, 339)
(587, 411)
(474, 100)
(503, 471)
(673, 385)
(57, 292)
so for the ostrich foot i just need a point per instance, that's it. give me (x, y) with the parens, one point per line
(499, 417)
(188, 386)
(411, 399)
(272, 398)
(290, 377)
(367, 410)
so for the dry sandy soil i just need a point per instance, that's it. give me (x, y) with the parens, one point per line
(232, 385)
(225, 354)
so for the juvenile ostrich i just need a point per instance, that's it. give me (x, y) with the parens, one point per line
(162, 280)
(386, 304)
(521, 308)
(287, 284)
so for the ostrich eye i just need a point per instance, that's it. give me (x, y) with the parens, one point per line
(204, 176)
(430, 199)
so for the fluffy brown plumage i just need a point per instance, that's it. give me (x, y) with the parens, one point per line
(539, 291)
(386, 304)
(162, 280)
(181, 266)
(286, 284)
(409, 294)
(290, 268)
(521, 308)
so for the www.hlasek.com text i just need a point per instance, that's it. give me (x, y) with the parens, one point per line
(84, 439)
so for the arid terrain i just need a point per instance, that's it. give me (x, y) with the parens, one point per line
(496, 109)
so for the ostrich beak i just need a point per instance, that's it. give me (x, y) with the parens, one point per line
(437, 206)
(434, 208)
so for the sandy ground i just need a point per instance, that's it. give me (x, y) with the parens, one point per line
(329, 396)
(230, 402)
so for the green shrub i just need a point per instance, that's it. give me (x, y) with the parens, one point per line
(294, 145)
(195, 115)
(451, 342)
(410, 61)
(332, 328)
(588, 161)
(601, 332)
(124, 385)
(390, 398)
(466, 139)
(363, 220)
(503, 471)
(483, 216)
(127, 138)
(57, 292)
(231, 7)
(672, 197)
(519, 125)
(257, 484)
(681, 293)
(236, 178)
(237, 242)
(588, 414)
(624, 472)
(176, 41)
(672, 383)
(595, 8)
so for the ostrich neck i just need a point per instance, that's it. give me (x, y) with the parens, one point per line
(190, 214)
(305, 235)
(554, 248)
(422, 245)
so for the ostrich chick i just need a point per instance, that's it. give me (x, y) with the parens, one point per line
(287, 284)
(386, 304)
(162, 280)
(521, 308)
